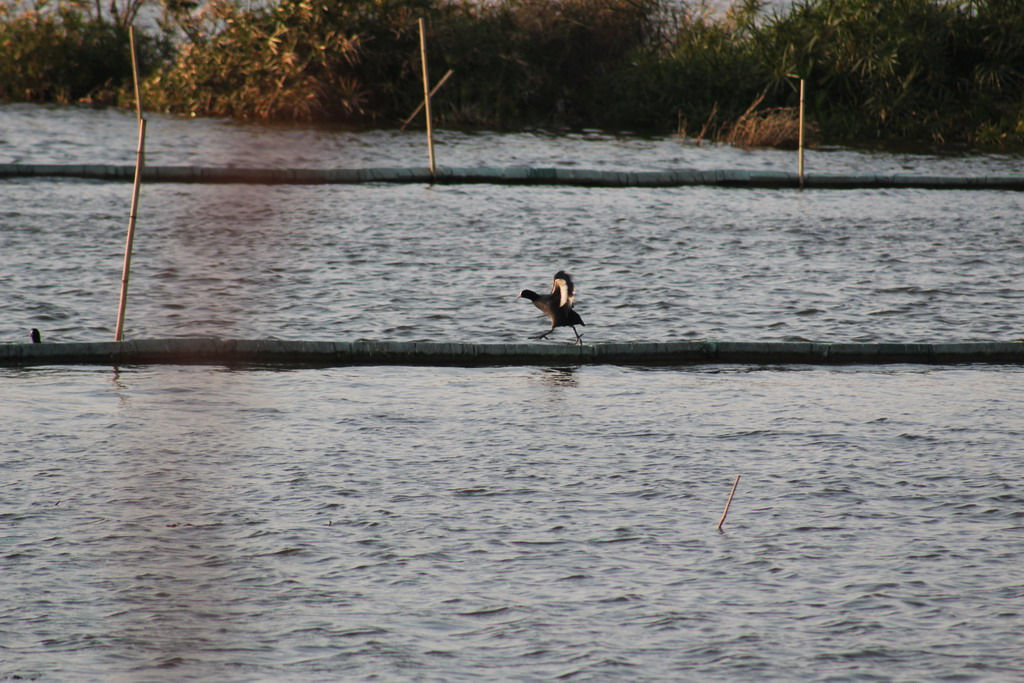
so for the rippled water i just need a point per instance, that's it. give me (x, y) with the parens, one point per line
(187, 523)
(444, 262)
(31, 134)
(452, 524)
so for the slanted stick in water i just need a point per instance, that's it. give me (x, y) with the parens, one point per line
(728, 502)
(426, 96)
(432, 91)
(139, 161)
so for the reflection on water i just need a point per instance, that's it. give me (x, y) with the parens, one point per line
(556, 378)
(224, 247)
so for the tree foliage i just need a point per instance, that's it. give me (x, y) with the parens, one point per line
(941, 70)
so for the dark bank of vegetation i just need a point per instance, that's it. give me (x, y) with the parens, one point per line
(924, 70)
(64, 54)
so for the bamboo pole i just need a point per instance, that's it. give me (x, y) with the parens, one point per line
(728, 502)
(432, 91)
(800, 144)
(135, 73)
(426, 96)
(133, 214)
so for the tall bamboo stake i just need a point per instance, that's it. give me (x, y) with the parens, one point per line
(728, 502)
(133, 214)
(800, 144)
(426, 96)
(135, 72)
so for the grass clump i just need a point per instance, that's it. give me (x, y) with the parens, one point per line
(777, 127)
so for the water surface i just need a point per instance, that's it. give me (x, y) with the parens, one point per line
(443, 524)
(207, 523)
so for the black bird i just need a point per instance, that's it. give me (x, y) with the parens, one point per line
(36, 337)
(557, 305)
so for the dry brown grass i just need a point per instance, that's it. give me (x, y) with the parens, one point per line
(777, 127)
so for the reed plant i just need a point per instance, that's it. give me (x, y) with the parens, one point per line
(912, 69)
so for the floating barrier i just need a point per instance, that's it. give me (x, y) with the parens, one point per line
(214, 351)
(512, 175)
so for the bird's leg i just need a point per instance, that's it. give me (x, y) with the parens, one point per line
(579, 339)
(542, 336)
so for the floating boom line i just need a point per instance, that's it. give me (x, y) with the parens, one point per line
(215, 351)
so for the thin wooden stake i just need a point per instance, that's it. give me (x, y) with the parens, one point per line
(432, 91)
(426, 96)
(140, 156)
(126, 270)
(135, 73)
(728, 502)
(800, 144)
